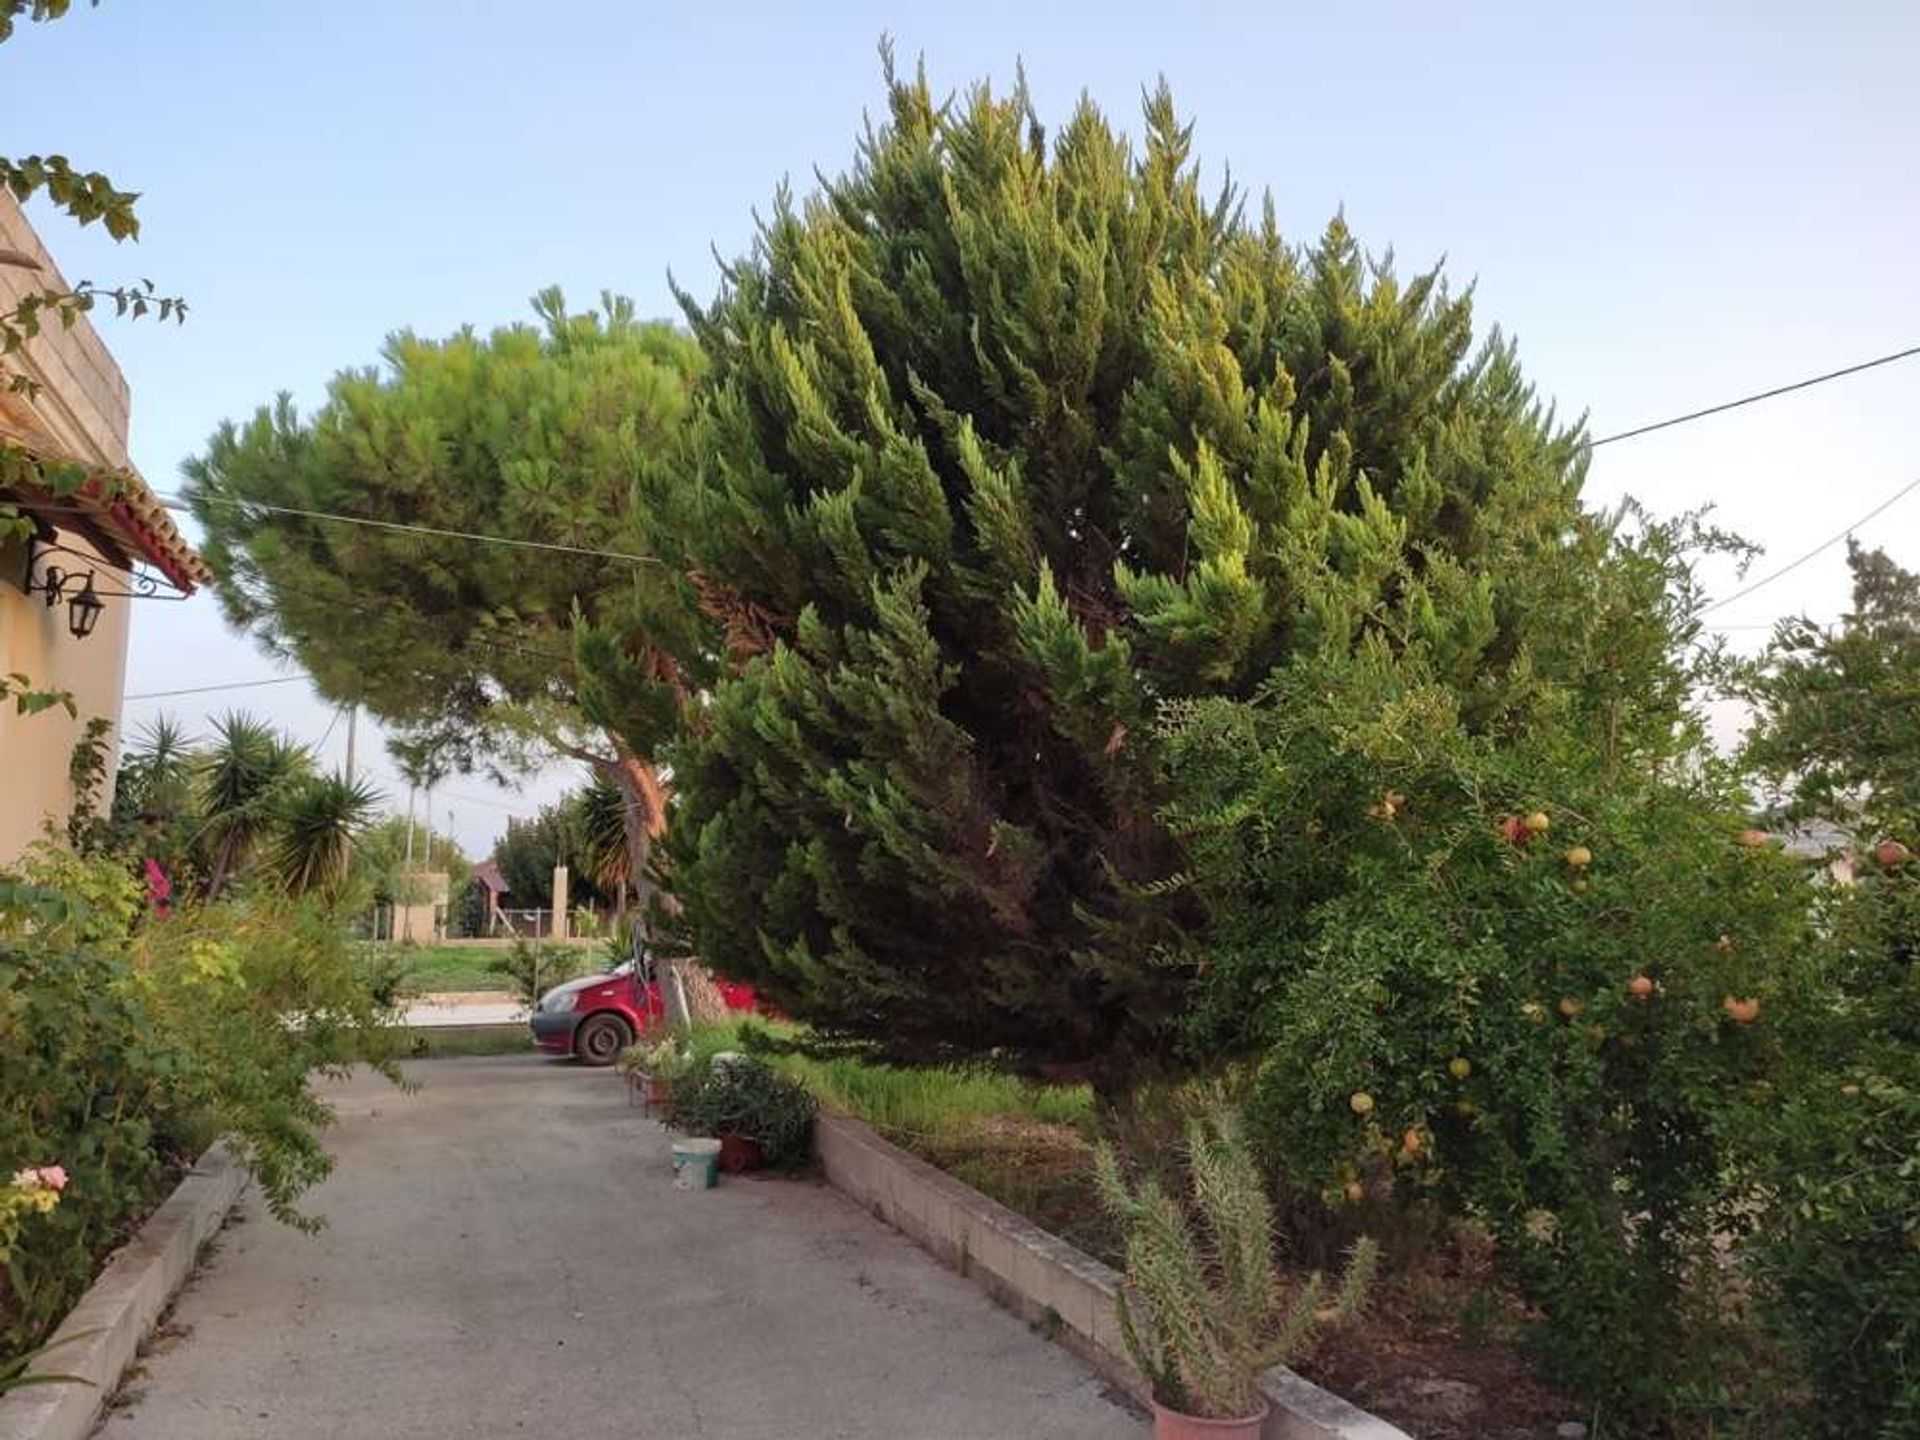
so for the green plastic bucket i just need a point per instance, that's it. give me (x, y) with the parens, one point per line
(695, 1163)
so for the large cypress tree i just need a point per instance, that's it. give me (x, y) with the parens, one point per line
(1006, 442)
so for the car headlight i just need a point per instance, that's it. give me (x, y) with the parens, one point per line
(559, 1002)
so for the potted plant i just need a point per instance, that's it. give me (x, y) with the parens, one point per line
(1203, 1310)
(758, 1115)
(655, 1067)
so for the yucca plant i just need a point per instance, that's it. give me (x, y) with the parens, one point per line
(1204, 1313)
(603, 837)
(319, 821)
(243, 777)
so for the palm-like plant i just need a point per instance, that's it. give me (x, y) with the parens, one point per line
(603, 837)
(1204, 1313)
(155, 781)
(242, 778)
(155, 807)
(317, 823)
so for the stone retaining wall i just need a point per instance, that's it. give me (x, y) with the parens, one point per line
(1063, 1291)
(99, 1339)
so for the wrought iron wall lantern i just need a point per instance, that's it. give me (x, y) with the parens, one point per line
(84, 597)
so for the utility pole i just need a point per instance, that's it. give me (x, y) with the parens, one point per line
(353, 719)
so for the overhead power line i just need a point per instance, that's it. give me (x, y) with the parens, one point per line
(1753, 399)
(1820, 549)
(174, 502)
(480, 800)
(209, 689)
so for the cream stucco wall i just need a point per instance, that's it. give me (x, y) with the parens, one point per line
(80, 413)
(35, 749)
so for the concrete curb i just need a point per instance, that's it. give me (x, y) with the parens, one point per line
(516, 1028)
(121, 1307)
(1064, 1291)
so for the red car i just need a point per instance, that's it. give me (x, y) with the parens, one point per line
(595, 1017)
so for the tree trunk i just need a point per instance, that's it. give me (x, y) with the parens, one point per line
(689, 992)
(644, 813)
(222, 864)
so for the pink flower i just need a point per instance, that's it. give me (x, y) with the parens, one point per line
(54, 1177)
(159, 889)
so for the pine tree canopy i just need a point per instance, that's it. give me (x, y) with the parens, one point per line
(1837, 709)
(1006, 442)
(547, 434)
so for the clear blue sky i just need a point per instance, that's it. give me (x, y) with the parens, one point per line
(1668, 208)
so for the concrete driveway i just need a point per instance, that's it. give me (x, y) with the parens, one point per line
(505, 1254)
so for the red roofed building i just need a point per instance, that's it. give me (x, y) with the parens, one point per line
(81, 536)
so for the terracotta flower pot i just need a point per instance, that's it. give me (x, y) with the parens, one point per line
(1172, 1425)
(738, 1154)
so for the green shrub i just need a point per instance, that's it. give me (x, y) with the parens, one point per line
(536, 969)
(1838, 1156)
(467, 916)
(1527, 1028)
(665, 1056)
(383, 972)
(743, 1095)
(128, 1043)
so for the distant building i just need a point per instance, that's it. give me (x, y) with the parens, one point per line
(1821, 842)
(99, 542)
(420, 914)
(493, 888)
(525, 916)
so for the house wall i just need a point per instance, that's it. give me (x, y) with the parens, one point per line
(35, 749)
(79, 413)
(84, 406)
(423, 920)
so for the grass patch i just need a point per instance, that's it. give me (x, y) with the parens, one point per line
(465, 968)
(441, 1044)
(448, 967)
(938, 1102)
(1024, 1144)
(930, 1102)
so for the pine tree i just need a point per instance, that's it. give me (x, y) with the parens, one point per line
(1837, 710)
(538, 435)
(1005, 443)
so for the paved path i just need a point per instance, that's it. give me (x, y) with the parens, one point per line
(434, 1011)
(505, 1255)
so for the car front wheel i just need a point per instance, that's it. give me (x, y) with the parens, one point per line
(601, 1039)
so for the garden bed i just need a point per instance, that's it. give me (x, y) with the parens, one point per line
(101, 1334)
(1435, 1354)
(1410, 1360)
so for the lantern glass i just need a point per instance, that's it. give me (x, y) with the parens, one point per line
(83, 611)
